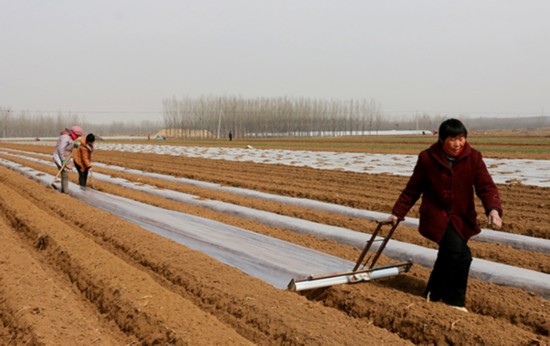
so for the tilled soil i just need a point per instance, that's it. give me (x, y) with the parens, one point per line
(72, 274)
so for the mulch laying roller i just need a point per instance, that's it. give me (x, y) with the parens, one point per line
(366, 271)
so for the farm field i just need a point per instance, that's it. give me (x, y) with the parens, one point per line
(71, 273)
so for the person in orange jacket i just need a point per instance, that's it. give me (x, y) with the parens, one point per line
(83, 158)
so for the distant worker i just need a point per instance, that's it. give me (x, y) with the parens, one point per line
(62, 154)
(230, 136)
(83, 158)
(446, 176)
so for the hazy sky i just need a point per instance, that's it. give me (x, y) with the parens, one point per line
(117, 60)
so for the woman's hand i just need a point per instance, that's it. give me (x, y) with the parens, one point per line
(394, 219)
(494, 220)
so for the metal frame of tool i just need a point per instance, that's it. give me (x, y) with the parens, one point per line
(368, 270)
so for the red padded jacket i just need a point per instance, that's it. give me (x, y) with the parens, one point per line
(448, 192)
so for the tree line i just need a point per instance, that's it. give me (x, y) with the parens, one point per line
(27, 124)
(216, 116)
(270, 117)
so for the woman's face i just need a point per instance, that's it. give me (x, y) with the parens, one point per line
(454, 145)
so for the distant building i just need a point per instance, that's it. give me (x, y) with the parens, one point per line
(183, 133)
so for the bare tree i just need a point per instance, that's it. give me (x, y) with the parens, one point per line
(5, 121)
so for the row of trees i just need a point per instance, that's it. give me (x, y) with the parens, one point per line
(32, 125)
(215, 117)
(265, 117)
(26, 124)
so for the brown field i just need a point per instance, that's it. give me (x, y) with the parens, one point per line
(73, 274)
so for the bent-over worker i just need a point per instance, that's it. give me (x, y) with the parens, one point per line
(62, 154)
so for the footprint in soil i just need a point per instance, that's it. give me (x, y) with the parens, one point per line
(42, 241)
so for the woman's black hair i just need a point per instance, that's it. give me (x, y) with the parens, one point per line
(90, 138)
(452, 128)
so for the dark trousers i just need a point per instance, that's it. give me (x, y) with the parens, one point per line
(449, 277)
(82, 175)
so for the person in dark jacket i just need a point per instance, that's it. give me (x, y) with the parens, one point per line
(83, 158)
(447, 175)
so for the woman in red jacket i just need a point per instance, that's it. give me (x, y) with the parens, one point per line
(447, 175)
